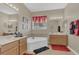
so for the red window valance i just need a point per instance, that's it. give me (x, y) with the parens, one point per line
(39, 19)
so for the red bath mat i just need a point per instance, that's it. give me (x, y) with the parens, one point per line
(60, 47)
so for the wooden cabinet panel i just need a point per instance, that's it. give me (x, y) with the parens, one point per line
(13, 51)
(23, 46)
(22, 49)
(0, 51)
(14, 48)
(9, 46)
(58, 39)
(23, 41)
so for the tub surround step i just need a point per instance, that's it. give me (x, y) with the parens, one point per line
(36, 43)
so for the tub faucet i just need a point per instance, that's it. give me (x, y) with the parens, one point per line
(33, 37)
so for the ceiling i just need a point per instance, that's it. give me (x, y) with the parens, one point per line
(6, 9)
(34, 7)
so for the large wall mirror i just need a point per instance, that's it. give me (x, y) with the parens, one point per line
(8, 18)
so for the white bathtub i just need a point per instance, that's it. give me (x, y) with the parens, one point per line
(36, 43)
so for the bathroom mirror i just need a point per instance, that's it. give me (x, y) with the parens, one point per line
(8, 18)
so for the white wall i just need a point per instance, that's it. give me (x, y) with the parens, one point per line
(3, 20)
(72, 10)
(53, 26)
(50, 22)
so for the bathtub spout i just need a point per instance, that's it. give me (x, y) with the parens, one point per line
(33, 37)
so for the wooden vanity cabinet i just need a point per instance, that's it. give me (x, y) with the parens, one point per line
(58, 40)
(17, 47)
(10, 48)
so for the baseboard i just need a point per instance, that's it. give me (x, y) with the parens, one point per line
(73, 51)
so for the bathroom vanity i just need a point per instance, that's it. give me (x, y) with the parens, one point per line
(12, 45)
(58, 39)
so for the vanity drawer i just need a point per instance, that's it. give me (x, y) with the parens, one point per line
(58, 36)
(58, 39)
(9, 46)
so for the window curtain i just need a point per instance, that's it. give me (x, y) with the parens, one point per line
(39, 19)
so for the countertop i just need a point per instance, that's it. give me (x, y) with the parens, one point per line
(8, 39)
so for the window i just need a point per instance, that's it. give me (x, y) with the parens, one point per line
(39, 22)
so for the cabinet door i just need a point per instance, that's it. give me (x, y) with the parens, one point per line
(23, 46)
(10, 48)
(13, 51)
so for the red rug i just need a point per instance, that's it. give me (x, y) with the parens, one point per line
(60, 47)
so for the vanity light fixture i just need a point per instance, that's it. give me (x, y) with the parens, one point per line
(60, 17)
(10, 5)
(75, 17)
(17, 9)
(12, 20)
